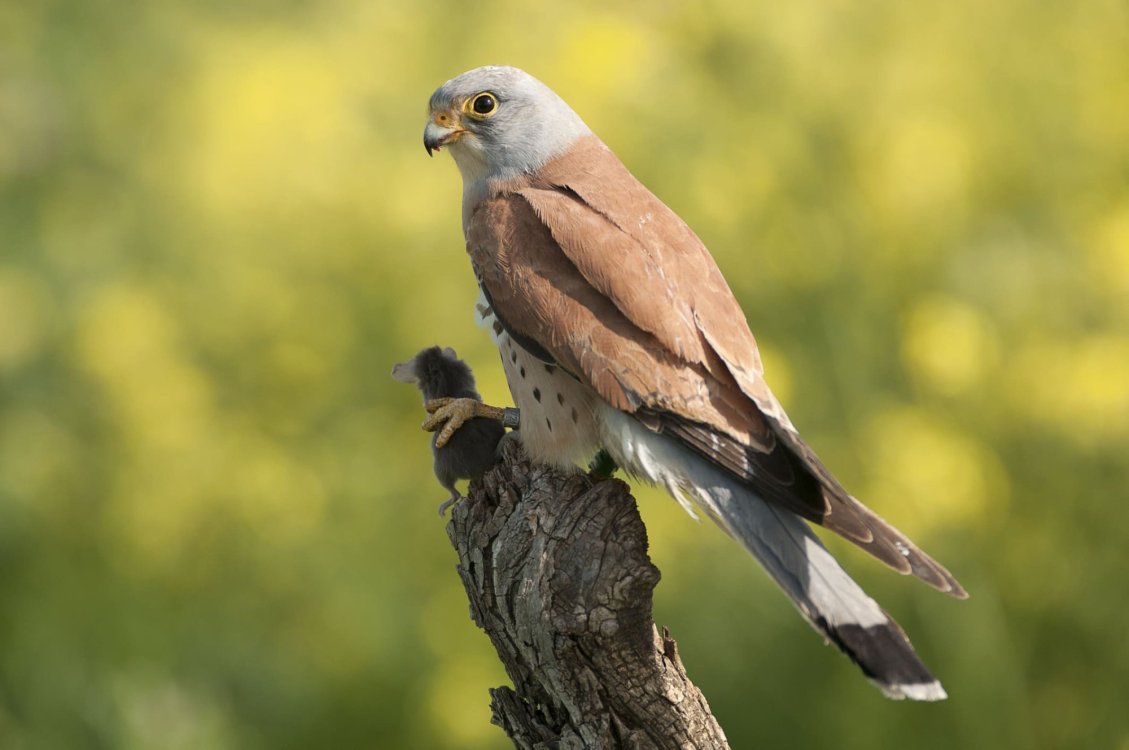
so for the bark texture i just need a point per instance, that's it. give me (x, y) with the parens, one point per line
(555, 566)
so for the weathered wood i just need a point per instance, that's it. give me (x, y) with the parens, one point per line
(555, 566)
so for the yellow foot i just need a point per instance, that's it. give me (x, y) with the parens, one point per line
(455, 412)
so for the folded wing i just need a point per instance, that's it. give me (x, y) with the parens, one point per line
(581, 260)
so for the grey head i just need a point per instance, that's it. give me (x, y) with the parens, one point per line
(499, 122)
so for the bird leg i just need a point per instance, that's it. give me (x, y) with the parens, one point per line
(457, 411)
(602, 466)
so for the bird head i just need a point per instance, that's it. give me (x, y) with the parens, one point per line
(499, 121)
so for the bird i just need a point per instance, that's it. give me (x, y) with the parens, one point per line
(618, 332)
(440, 374)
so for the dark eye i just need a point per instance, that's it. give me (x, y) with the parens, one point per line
(484, 104)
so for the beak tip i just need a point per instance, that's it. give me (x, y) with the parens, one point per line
(436, 136)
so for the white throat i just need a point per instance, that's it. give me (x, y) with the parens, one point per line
(471, 162)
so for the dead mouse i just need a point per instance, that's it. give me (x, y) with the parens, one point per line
(439, 373)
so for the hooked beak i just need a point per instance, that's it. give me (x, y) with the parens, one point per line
(439, 132)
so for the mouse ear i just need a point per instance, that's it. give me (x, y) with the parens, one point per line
(450, 352)
(405, 372)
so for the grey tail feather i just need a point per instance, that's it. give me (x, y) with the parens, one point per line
(789, 551)
(825, 594)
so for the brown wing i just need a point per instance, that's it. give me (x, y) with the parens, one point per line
(539, 295)
(584, 260)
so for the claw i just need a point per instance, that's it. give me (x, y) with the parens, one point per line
(455, 412)
(437, 405)
(452, 411)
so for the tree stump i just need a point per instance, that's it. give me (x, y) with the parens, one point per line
(555, 566)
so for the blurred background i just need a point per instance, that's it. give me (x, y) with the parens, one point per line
(219, 230)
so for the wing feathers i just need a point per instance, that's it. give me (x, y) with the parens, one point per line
(586, 263)
(781, 478)
(589, 239)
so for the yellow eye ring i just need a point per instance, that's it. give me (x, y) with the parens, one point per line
(481, 106)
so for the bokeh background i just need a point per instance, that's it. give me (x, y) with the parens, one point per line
(219, 230)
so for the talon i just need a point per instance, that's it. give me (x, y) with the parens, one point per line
(437, 408)
(454, 412)
(432, 405)
(455, 422)
(450, 414)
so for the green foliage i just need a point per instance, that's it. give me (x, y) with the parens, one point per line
(218, 230)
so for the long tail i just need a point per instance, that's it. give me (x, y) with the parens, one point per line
(788, 549)
(826, 596)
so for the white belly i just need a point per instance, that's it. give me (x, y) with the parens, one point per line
(559, 422)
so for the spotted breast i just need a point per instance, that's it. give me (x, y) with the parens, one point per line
(559, 422)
